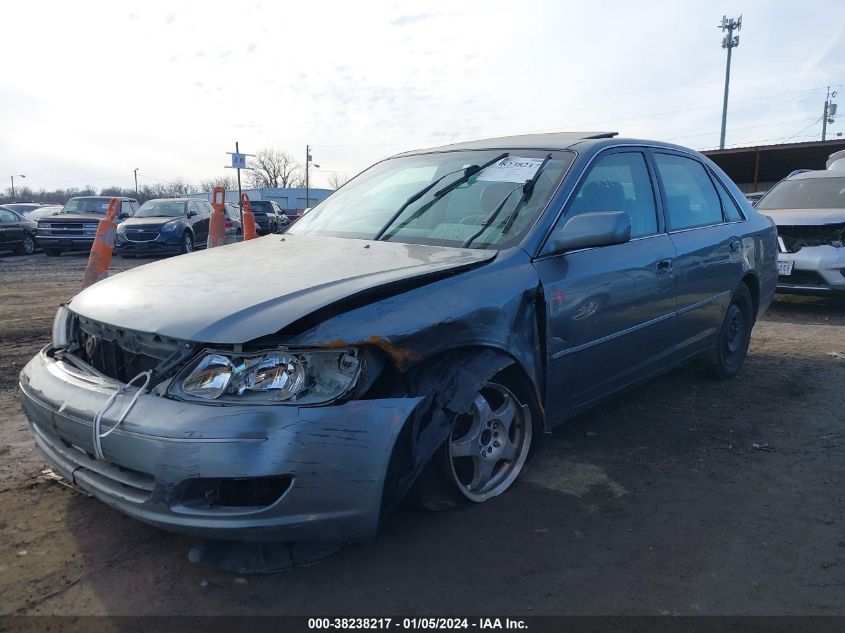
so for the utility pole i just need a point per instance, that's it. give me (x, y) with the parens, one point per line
(829, 112)
(13, 186)
(307, 162)
(308, 159)
(730, 41)
(135, 171)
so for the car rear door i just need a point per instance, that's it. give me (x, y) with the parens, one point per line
(200, 221)
(709, 261)
(609, 310)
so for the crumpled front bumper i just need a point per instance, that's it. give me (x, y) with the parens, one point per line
(335, 457)
(816, 270)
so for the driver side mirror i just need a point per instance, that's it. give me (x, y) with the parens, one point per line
(191, 213)
(590, 230)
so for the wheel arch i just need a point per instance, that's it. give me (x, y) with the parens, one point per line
(408, 458)
(751, 280)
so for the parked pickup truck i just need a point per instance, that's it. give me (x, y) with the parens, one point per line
(75, 226)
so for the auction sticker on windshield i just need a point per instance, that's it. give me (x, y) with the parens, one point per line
(512, 169)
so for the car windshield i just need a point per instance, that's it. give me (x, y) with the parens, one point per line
(161, 209)
(87, 205)
(367, 204)
(806, 193)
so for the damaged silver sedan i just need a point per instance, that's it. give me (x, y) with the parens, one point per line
(809, 210)
(421, 329)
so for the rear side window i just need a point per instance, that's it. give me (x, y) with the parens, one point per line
(731, 210)
(619, 182)
(691, 198)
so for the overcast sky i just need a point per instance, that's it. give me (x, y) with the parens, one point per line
(89, 91)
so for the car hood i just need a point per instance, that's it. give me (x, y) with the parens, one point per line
(805, 217)
(74, 217)
(233, 294)
(150, 221)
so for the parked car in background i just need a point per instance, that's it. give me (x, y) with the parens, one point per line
(75, 227)
(43, 212)
(424, 326)
(269, 217)
(234, 230)
(809, 210)
(755, 197)
(166, 226)
(25, 208)
(17, 233)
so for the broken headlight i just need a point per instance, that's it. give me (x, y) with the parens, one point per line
(62, 327)
(278, 376)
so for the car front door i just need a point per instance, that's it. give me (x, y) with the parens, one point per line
(610, 310)
(11, 229)
(709, 261)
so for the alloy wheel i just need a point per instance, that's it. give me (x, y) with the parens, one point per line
(489, 445)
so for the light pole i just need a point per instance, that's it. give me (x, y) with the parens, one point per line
(135, 171)
(729, 42)
(308, 159)
(13, 186)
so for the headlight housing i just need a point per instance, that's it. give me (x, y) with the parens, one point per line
(61, 327)
(278, 376)
(170, 226)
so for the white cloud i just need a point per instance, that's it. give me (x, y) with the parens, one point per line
(168, 87)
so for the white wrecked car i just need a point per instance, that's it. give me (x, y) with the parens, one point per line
(809, 210)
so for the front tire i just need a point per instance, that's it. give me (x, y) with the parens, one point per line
(187, 243)
(725, 361)
(485, 453)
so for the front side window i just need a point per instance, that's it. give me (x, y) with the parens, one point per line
(472, 197)
(691, 198)
(619, 182)
(806, 193)
(7, 216)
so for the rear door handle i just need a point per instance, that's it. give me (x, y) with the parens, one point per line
(664, 267)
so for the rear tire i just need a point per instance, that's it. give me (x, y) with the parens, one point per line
(52, 252)
(487, 450)
(726, 359)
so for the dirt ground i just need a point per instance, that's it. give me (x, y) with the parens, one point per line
(682, 496)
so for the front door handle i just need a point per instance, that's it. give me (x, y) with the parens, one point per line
(663, 267)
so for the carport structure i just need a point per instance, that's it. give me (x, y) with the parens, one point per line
(759, 168)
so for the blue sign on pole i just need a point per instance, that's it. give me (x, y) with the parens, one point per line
(238, 161)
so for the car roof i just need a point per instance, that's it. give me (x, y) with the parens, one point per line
(818, 173)
(550, 141)
(100, 198)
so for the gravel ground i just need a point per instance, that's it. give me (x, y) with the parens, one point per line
(681, 496)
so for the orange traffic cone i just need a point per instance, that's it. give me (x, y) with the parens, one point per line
(249, 219)
(101, 251)
(217, 225)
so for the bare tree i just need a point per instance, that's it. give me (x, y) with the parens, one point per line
(337, 180)
(275, 169)
(227, 182)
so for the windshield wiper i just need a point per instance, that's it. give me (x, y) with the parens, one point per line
(469, 172)
(527, 192)
(491, 217)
